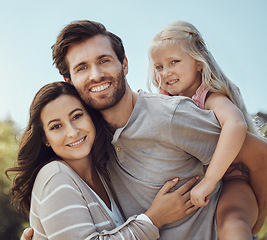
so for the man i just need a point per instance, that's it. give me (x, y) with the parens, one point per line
(150, 132)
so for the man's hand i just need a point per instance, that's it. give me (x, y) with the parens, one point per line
(27, 234)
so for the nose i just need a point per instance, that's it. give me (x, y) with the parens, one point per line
(96, 73)
(166, 72)
(72, 130)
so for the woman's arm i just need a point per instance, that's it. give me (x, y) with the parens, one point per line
(232, 136)
(69, 217)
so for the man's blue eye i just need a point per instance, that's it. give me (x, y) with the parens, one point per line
(81, 68)
(104, 61)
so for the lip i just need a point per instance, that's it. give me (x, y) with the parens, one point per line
(100, 87)
(77, 143)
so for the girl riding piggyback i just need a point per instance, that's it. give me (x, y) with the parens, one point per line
(181, 65)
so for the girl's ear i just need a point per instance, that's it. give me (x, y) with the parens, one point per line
(199, 66)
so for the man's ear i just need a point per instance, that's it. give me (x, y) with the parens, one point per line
(67, 80)
(125, 66)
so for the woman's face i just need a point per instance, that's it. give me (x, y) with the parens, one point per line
(68, 128)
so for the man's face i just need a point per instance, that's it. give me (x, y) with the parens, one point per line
(96, 72)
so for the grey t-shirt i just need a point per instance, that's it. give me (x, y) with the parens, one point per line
(165, 137)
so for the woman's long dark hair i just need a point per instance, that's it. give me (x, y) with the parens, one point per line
(33, 154)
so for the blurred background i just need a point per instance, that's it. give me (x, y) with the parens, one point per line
(235, 32)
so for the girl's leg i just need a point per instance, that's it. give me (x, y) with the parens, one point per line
(254, 155)
(237, 210)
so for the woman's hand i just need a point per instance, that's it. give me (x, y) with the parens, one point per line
(169, 207)
(27, 234)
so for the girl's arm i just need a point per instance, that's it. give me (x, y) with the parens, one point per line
(232, 136)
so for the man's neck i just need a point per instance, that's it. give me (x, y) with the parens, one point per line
(118, 115)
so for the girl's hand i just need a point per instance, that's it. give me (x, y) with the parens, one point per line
(200, 193)
(169, 207)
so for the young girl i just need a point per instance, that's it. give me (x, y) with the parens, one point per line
(180, 64)
(61, 175)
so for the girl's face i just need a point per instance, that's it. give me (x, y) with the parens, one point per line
(178, 73)
(68, 128)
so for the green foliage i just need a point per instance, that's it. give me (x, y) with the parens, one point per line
(263, 232)
(11, 222)
(263, 130)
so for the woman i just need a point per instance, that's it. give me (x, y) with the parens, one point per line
(61, 175)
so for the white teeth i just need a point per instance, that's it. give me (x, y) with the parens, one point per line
(76, 143)
(173, 81)
(100, 88)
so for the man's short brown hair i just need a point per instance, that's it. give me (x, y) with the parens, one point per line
(79, 31)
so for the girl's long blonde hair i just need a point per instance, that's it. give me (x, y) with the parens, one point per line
(213, 78)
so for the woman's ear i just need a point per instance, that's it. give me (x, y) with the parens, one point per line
(46, 142)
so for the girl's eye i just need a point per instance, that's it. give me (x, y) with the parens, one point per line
(175, 61)
(158, 68)
(77, 116)
(55, 126)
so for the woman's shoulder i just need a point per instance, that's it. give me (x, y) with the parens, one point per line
(56, 169)
(52, 168)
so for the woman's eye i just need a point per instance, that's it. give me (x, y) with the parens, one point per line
(77, 116)
(55, 126)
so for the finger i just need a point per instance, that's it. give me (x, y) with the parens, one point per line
(189, 204)
(186, 196)
(27, 234)
(187, 186)
(168, 185)
(191, 210)
(207, 200)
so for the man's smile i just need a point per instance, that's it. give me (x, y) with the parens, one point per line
(100, 88)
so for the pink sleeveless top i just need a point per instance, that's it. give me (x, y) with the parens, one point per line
(200, 96)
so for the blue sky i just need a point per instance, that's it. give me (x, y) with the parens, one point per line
(234, 30)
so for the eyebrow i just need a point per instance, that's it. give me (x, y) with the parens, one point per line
(98, 58)
(74, 110)
(57, 119)
(78, 65)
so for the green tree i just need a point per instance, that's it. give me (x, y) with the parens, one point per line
(11, 222)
